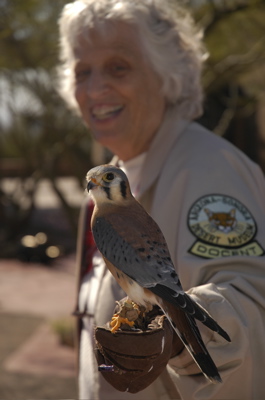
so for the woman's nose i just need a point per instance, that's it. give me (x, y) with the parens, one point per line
(97, 84)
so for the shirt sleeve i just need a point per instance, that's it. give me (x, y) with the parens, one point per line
(230, 288)
(226, 304)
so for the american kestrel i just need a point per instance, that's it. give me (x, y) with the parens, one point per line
(136, 253)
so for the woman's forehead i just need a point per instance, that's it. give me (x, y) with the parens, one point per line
(117, 36)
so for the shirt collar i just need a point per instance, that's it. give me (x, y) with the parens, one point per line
(133, 169)
(170, 130)
(168, 133)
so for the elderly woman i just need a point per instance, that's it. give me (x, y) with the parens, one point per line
(132, 70)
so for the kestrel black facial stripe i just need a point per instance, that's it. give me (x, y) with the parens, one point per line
(107, 190)
(123, 189)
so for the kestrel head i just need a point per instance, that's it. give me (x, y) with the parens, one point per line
(107, 183)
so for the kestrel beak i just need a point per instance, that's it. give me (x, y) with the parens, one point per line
(91, 184)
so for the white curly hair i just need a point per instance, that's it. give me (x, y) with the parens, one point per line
(169, 37)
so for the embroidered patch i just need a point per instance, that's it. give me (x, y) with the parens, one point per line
(223, 227)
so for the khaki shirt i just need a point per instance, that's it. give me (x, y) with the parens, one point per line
(209, 200)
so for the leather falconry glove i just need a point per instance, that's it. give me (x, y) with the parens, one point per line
(132, 358)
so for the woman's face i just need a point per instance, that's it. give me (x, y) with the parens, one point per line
(118, 93)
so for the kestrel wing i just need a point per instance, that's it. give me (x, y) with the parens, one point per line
(133, 242)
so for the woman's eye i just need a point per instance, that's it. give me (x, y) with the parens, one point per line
(80, 75)
(118, 69)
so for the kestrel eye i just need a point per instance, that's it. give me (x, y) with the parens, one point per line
(108, 177)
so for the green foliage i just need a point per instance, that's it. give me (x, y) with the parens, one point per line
(235, 40)
(42, 137)
(29, 33)
(233, 77)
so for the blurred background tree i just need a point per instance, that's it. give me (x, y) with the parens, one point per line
(40, 138)
(233, 78)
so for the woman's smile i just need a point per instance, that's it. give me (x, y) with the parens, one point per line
(116, 89)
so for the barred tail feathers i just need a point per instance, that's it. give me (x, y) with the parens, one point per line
(185, 327)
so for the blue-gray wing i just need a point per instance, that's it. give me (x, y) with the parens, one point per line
(142, 254)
